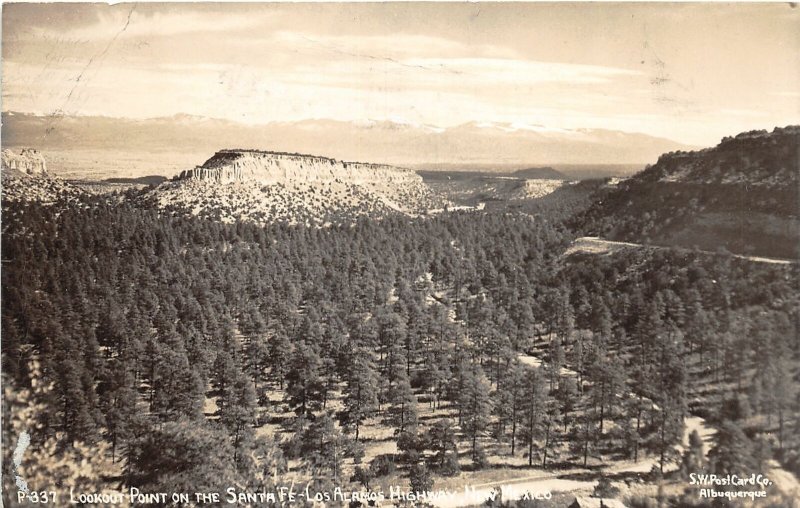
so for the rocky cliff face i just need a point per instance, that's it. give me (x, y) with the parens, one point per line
(24, 178)
(28, 162)
(229, 166)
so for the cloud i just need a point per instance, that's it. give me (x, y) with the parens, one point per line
(153, 24)
(391, 46)
(522, 72)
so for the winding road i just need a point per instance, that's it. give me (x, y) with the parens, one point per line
(596, 245)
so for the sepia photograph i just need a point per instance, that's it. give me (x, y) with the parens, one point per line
(400, 254)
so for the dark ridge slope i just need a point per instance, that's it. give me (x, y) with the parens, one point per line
(545, 173)
(741, 195)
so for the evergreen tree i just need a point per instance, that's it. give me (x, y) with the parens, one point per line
(404, 405)
(361, 399)
(304, 383)
(533, 409)
(510, 401)
(608, 382)
(237, 414)
(280, 354)
(257, 357)
(442, 440)
(567, 396)
(174, 457)
(476, 405)
(324, 448)
(118, 402)
(694, 458)
(733, 451)
(420, 478)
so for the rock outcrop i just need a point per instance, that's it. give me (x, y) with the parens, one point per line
(227, 166)
(28, 162)
(24, 178)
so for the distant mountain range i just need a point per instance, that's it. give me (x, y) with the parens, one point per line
(386, 142)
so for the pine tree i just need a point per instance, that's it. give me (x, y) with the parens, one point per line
(510, 401)
(118, 402)
(442, 439)
(238, 415)
(585, 435)
(178, 390)
(257, 357)
(174, 457)
(404, 405)
(670, 396)
(533, 408)
(551, 423)
(567, 396)
(475, 404)
(304, 383)
(555, 362)
(270, 464)
(420, 478)
(323, 447)
(694, 458)
(361, 399)
(608, 381)
(733, 451)
(280, 354)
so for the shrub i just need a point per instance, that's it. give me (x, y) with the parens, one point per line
(451, 466)
(382, 465)
(420, 478)
(605, 489)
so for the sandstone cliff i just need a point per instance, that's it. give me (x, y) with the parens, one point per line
(24, 178)
(28, 162)
(228, 166)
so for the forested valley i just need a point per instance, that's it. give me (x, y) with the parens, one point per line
(175, 354)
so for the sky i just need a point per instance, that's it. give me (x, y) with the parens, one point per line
(688, 72)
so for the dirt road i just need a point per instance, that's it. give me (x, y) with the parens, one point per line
(596, 245)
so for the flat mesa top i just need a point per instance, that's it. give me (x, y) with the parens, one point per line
(239, 151)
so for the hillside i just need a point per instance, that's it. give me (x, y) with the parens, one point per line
(25, 178)
(546, 173)
(265, 187)
(272, 333)
(470, 188)
(741, 195)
